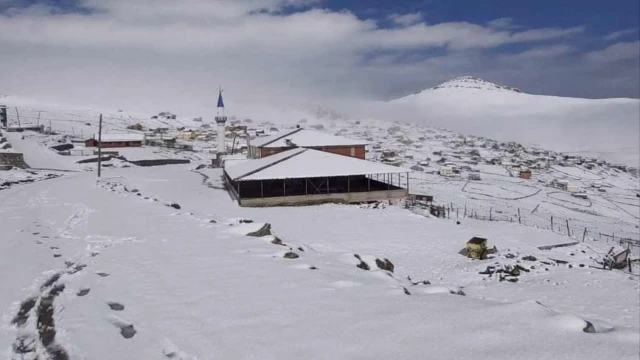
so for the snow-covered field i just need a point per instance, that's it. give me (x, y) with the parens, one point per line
(154, 262)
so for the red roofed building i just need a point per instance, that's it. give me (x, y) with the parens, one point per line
(266, 146)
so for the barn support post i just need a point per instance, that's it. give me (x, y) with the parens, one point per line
(284, 187)
(306, 186)
(388, 185)
(261, 190)
(407, 182)
(368, 184)
(327, 185)
(238, 186)
(348, 185)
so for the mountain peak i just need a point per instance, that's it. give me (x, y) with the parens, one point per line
(472, 82)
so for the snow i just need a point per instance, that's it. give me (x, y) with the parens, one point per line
(307, 163)
(606, 128)
(305, 138)
(120, 137)
(236, 170)
(192, 285)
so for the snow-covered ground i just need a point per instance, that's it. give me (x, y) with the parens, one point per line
(154, 262)
(143, 279)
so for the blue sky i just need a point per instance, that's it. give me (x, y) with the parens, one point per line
(317, 49)
(599, 15)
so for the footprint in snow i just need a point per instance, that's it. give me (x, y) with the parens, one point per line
(103, 274)
(127, 330)
(83, 292)
(115, 306)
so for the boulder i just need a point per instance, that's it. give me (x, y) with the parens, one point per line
(385, 265)
(263, 231)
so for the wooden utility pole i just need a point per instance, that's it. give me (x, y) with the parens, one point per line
(585, 234)
(100, 146)
(519, 218)
(18, 114)
(568, 230)
(39, 112)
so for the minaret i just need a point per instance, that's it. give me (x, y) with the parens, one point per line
(221, 120)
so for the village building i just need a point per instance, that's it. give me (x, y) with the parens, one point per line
(115, 140)
(525, 174)
(299, 137)
(303, 176)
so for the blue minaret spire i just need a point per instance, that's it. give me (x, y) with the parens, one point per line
(221, 122)
(220, 102)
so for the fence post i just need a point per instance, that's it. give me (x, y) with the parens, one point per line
(585, 234)
(457, 213)
(519, 218)
(552, 223)
(568, 230)
(490, 214)
(465, 210)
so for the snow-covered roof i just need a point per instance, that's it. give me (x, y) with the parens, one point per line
(120, 137)
(302, 163)
(304, 138)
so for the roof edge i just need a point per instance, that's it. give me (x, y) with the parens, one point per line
(270, 164)
(280, 137)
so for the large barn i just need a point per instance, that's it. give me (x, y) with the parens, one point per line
(115, 140)
(269, 145)
(302, 176)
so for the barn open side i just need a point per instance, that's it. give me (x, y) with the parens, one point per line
(306, 176)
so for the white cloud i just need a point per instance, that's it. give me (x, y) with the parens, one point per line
(618, 34)
(152, 53)
(502, 23)
(543, 52)
(615, 52)
(406, 19)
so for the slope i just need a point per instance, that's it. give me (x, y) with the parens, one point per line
(607, 128)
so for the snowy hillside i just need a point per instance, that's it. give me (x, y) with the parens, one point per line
(160, 263)
(607, 128)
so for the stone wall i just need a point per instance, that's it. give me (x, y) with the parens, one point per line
(12, 158)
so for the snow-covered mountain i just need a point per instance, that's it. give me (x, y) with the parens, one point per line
(472, 82)
(605, 128)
